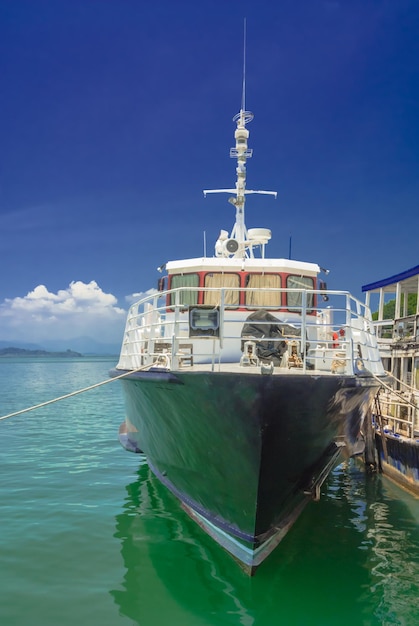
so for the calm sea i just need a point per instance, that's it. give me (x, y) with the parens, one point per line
(88, 537)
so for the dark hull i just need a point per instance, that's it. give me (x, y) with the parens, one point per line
(244, 452)
(399, 459)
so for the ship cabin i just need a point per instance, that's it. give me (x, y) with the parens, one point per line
(274, 284)
(215, 310)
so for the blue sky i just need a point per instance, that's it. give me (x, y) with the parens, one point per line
(116, 114)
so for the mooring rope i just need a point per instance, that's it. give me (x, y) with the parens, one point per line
(143, 367)
(73, 393)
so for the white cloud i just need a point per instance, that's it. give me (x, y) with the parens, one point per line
(82, 309)
(135, 297)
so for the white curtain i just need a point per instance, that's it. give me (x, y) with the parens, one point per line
(231, 284)
(260, 297)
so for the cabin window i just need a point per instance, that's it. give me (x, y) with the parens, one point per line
(218, 280)
(189, 296)
(294, 299)
(260, 297)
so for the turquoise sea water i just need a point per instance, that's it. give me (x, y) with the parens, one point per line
(88, 537)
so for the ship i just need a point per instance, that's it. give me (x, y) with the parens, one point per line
(246, 380)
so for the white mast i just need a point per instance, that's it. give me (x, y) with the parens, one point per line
(239, 242)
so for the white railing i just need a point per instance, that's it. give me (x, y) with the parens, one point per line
(398, 408)
(403, 329)
(337, 336)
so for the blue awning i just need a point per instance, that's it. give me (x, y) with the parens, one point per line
(392, 280)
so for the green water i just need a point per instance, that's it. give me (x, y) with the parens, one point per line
(90, 538)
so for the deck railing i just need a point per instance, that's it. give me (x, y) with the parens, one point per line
(403, 329)
(398, 409)
(335, 336)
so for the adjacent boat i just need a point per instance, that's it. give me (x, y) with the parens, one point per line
(245, 380)
(396, 411)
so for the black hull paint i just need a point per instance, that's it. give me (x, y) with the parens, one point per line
(243, 451)
(400, 460)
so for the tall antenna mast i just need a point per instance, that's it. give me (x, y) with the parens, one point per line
(240, 152)
(244, 68)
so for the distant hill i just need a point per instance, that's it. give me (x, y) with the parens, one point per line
(83, 345)
(11, 351)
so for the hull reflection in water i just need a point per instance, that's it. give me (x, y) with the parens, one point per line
(175, 574)
(168, 562)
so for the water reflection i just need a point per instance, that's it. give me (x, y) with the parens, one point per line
(394, 564)
(162, 546)
(387, 521)
(350, 559)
